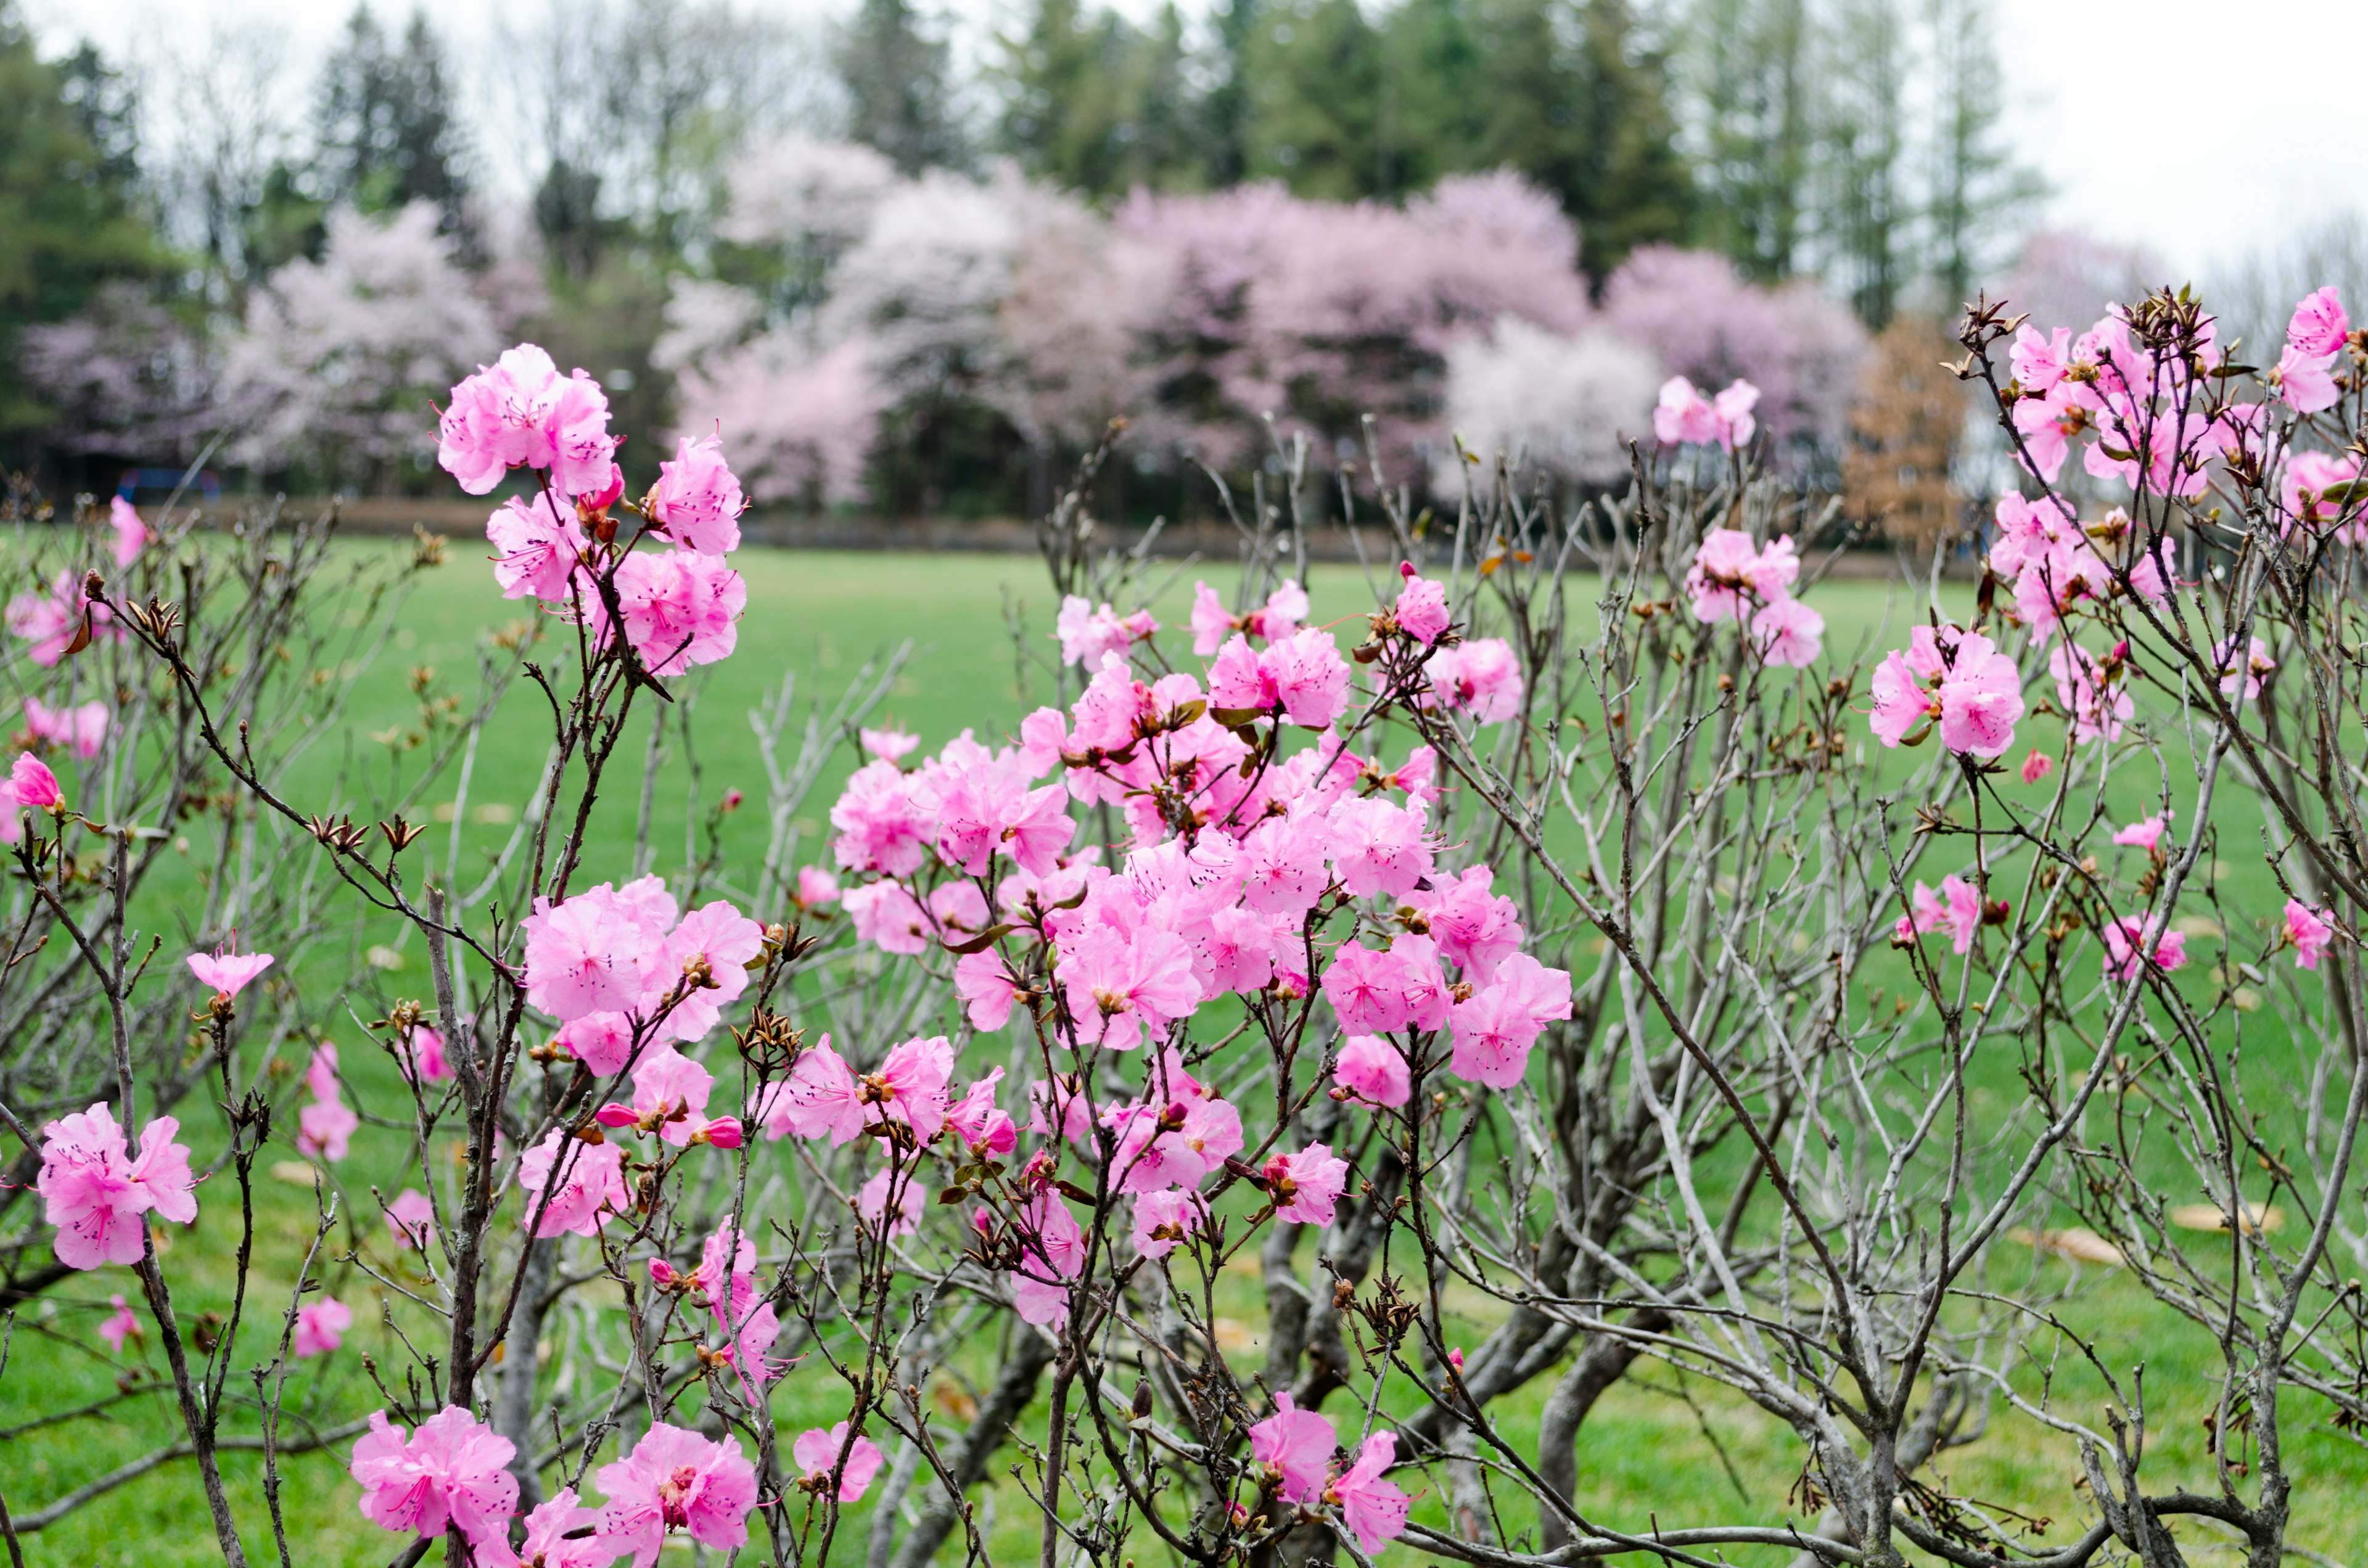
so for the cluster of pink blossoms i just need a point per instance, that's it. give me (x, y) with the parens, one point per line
(28, 786)
(1952, 678)
(453, 1472)
(61, 619)
(1685, 417)
(81, 729)
(324, 1129)
(679, 607)
(1734, 579)
(1300, 1452)
(1955, 909)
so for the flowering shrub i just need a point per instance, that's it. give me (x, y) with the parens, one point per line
(1664, 981)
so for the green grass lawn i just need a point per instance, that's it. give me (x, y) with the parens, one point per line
(1657, 1448)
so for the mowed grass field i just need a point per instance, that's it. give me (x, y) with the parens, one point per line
(1659, 1447)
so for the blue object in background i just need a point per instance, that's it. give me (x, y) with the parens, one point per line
(164, 480)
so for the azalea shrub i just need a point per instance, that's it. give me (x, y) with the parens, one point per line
(1579, 954)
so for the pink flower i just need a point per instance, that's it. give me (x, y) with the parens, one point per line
(1361, 985)
(817, 1453)
(120, 1325)
(910, 1085)
(540, 549)
(82, 730)
(1088, 632)
(590, 1185)
(1683, 416)
(2310, 930)
(1176, 1144)
(816, 887)
(1732, 410)
(1496, 1026)
(131, 535)
(2305, 484)
(1374, 1509)
(1371, 1070)
(1981, 697)
(600, 951)
(2243, 674)
(718, 942)
(726, 1274)
(1306, 1185)
(453, 1470)
(2128, 940)
(1788, 635)
(326, 1128)
(96, 1195)
(1119, 987)
(1421, 609)
(561, 1533)
(2319, 325)
(818, 1099)
(228, 972)
(670, 1093)
(420, 1050)
(1052, 1251)
(1482, 677)
(320, 1326)
(2143, 834)
(2305, 382)
(871, 1201)
(412, 1218)
(2037, 766)
(602, 1041)
(979, 1122)
(1166, 1219)
(1956, 909)
(677, 1480)
(888, 745)
(1296, 1447)
(695, 500)
(1378, 848)
(1729, 572)
(1311, 679)
(982, 982)
(34, 785)
(1475, 927)
(681, 609)
(2097, 703)
(55, 619)
(522, 413)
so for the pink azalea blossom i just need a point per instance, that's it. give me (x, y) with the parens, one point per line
(2319, 325)
(2311, 931)
(1166, 1219)
(1730, 573)
(96, 1194)
(719, 942)
(817, 1453)
(2129, 939)
(2142, 835)
(82, 730)
(2242, 675)
(1788, 635)
(1088, 632)
(677, 1480)
(1957, 677)
(1374, 1509)
(32, 783)
(539, 550)
(818, 1099)
(2305, 382)
(2305, 484)
(1052, 1252)
(872, 1198)
(979, 1122)
(521, 412)
(562, 1533)
(2097, 705)
(1121, 987)
(1494, 1029)
(420, 1050)
(696, 500)
(320, 1326)
(453, 1470)
(2037, 766)
(1421, 609)
(412, 1218)
(1371, 1070)
(982, 982)
(227, 973)
(681, 609)
(816, 887)
(120, 1325)
(1174, 1145)
(326, 1128)
(1378, 848)
(131, 535)
(53, 620)
(602, 1041)
(727, 1275)
(1311, 679)
(1955, 909)
(1480, 678)
(888, 745)
(600, 951)
(588, 1187)
(1296, 1447)
(1308, 1185)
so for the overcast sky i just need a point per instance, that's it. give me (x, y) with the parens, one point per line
(2141, 113)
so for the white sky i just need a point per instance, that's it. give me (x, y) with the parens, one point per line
(2143, 113)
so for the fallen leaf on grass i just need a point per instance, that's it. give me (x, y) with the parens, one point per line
(2077, 1243)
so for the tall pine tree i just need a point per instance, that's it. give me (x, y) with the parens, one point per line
(1314, 72)
(1755, 113)
(1093, 103)
(388, 133)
